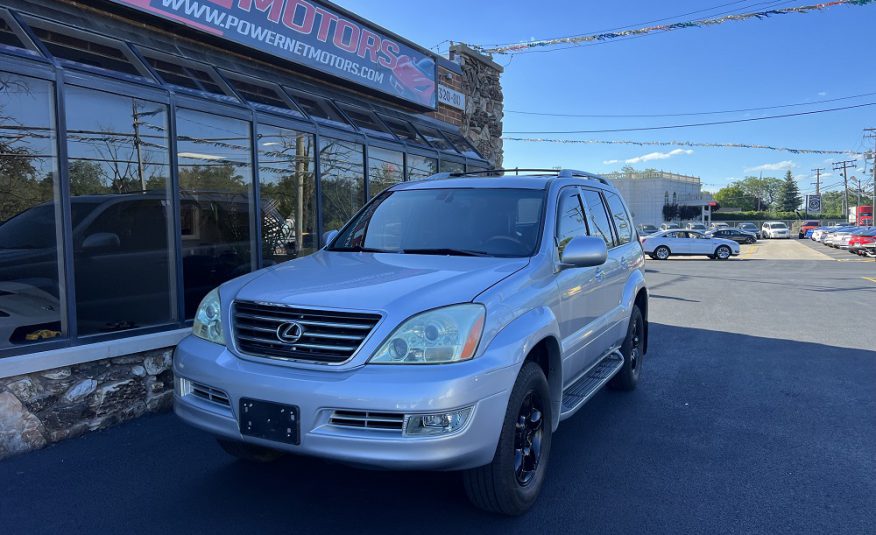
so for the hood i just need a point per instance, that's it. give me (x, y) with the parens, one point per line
(379, 281)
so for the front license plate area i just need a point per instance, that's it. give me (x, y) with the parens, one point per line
(269, 421)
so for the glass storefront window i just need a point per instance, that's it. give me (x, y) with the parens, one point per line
(342, 175)
(385, 169)
(215, 177)
(288, 193)
(119, 179)
(30, 310)
(451, 167)
(421, 167)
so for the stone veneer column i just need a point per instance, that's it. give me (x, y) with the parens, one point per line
(484, 107)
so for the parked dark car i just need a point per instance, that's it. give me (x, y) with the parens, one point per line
(735, 234)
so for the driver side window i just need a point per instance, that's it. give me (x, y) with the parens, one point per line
(570, 218)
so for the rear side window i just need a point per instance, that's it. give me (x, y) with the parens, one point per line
(570, 218)
(597, 217)
(622, 222)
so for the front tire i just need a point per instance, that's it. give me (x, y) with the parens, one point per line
(628, 376)
(510, 484)
(723, 252)
(249, 452)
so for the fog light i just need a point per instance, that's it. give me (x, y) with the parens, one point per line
(436, 424)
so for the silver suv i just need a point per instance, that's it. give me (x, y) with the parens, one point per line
(452, 324)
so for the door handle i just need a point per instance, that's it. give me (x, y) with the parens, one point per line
(600, 275)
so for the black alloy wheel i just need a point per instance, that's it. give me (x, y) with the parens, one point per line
(529, 432)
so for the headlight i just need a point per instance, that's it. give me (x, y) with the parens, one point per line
(449, 334)
(208, 319)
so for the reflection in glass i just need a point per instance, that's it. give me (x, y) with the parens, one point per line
(288, 195)
(118, 169)
(452, 167)
(385, 169)
(215, 177)
(342, 175)
(29, 289)
(420, 167)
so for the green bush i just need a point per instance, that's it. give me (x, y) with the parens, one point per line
(766, 216)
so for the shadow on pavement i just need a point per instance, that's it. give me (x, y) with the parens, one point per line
(726, 433)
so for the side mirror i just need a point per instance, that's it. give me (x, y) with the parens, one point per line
(329, 236)
(101, 241)
(585, 251)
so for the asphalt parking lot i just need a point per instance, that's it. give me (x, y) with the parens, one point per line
(756, 413)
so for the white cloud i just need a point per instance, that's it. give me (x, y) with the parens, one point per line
(658, 156)
(610, 162)
(822, 93)
(826, 175)
(778, 166)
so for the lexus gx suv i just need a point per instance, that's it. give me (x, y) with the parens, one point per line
(452, 324)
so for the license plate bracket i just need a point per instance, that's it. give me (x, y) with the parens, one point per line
(269, 421)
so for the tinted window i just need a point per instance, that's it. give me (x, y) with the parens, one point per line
(29, 289)
(79, 47)
(421, 167)
(119, 164)
(492, 222)
(366, 121)
(621, 218)
(288, 193)
(215, 177)
(262, 94)
(435, 138)
(597, 219)
(385, 169)
(318, 109)
(570, 218)
(404, 131)
(182, 73)
(342, 175)
(7, 35)
(451, 167)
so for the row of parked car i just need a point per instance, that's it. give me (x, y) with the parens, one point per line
(856, 240)
(720, 241)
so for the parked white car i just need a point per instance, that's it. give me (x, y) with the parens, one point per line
(662, 245)
(772, 230)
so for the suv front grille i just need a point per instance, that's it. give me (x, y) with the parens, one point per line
(368, 420)
(288, 333)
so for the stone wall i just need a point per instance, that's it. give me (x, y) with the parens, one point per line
(40, 408)
(484, 102)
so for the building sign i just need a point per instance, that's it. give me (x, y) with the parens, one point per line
(451, 97)
(813, 204)
(310, 34)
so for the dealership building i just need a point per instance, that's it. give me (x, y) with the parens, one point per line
(152, 149)
(647, 192)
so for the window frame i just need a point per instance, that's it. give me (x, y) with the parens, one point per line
(600, 193)
(633, 231)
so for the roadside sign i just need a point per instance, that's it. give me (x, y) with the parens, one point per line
(813, 204)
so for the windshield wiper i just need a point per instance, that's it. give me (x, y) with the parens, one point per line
(446, 251)
(360, 249)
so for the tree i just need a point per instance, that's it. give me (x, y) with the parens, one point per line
(764, 190)
(789, 194)
(733, 195)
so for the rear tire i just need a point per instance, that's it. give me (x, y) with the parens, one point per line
(628, 376)
(662, 252)
(510, 484)
(249, 452)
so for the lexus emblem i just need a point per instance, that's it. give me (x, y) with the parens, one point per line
(290, 332)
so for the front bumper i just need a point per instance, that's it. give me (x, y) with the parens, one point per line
(407, 389)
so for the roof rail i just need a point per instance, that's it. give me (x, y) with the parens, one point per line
(560, 173)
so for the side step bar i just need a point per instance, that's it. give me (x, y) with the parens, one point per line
(589, 384)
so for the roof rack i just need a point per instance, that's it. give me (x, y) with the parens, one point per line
(560, 173)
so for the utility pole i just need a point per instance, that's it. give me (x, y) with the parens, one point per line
(137, 142)
(871, 134)
(817, 182)
(843, 166)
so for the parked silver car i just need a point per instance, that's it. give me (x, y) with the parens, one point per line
(774, 230)
(452, 324)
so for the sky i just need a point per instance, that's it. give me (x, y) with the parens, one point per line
(787, 59)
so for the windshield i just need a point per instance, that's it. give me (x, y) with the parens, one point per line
(778, 225)
(472, 222)
(35, 228)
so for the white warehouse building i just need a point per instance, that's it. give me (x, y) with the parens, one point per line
(646, 193)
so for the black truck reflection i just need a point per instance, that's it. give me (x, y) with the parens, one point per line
(122, 260)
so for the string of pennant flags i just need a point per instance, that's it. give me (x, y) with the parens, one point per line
(573, 40)
(680, 144)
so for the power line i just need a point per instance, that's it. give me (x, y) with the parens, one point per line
(678, 144)
(691, 125)
(689, 114)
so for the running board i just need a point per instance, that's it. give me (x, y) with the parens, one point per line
(590, 383)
